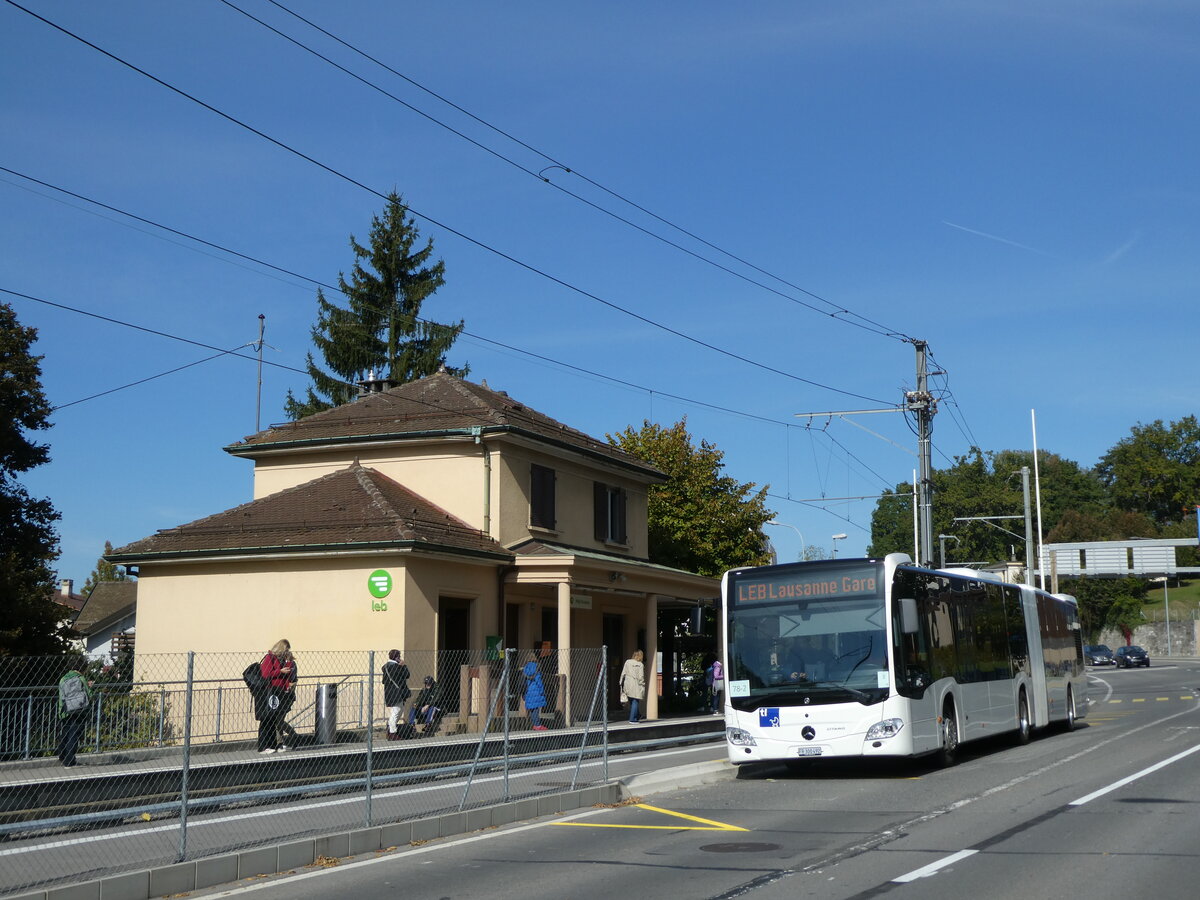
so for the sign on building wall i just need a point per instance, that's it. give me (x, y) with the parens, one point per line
(379, 584)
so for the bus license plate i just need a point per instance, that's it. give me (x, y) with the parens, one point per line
(808, 751)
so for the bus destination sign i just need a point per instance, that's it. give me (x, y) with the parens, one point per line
(807, 583)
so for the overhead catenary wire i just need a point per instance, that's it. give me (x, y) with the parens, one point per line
(258, 261)
(474, 241)
(836, 312)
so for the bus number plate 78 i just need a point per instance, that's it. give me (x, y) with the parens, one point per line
(808, 751)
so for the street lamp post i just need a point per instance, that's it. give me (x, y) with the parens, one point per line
(835, 538)
(794, 528)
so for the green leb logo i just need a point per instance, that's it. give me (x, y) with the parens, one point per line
(379, 583)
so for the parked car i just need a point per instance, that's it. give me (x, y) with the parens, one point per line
(1098, 655)
(1133, 655)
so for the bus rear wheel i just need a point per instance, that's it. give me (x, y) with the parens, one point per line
(1023, 723)
(948, 755)
(1069, 722)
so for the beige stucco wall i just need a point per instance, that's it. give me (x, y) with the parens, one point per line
(452, 473)
(317, 603)
(573, 502)
(449, 473)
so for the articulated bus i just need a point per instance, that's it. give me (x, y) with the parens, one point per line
(880, 657)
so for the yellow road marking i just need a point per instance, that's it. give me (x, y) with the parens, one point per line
(708, 824)
(1161, 699)
(1139, 700)
(1116, 701)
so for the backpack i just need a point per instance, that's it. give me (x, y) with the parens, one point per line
(74, 694)
(708, 676)
(253, 677)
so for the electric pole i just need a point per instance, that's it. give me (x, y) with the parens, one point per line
(921, 403)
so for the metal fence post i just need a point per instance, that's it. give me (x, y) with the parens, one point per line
(587, 728)
(604, 705)
(28, 726)
(493, 696)
(370, 730)
(162, 711)
(220, 703)
(99, 706)
(508, 655)
(187, 758)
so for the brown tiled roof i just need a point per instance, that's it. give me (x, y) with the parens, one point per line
(437, 405)
(352, 508)
(108, 602)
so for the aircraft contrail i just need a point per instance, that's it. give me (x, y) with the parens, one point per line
(995, 237)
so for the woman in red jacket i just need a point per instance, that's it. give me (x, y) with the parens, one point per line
(277, 671)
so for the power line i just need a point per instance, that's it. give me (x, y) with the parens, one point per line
(318, 283)
(478, 243)
(871, 325)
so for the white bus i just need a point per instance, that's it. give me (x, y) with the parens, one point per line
(879, 657)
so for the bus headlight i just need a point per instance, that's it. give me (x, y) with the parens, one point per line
(888, 728)
(740, 737)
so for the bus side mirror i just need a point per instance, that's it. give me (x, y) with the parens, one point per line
(909, 622)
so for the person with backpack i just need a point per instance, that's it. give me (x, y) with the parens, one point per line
(74, 701)
(276, 672)
(395, 691)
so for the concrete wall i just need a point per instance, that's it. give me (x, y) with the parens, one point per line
(1185, 638)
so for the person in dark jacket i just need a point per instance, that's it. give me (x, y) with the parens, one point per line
(427, 706)
(277, 673)
(395, 691)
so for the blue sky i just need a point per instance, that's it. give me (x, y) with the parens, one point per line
(1015, 183)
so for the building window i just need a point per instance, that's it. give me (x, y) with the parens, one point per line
(610, 513)
(541, 497)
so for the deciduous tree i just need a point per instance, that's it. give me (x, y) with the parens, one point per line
(380, 329)
(700, 519)
(1156, 470)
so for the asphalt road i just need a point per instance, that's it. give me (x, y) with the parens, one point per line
(1113, 807)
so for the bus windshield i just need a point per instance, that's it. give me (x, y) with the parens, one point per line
(809, 632)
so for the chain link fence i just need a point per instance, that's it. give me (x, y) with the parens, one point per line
(175, 757)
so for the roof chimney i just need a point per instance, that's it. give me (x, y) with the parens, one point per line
(68, 587)
(371, 384)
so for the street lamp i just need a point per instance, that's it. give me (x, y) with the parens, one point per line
(835, 538)
(794, 528)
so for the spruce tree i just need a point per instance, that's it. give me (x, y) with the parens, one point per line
(380, 329)
(29, 617)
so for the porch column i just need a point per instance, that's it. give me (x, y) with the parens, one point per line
(563, 589)
(651, 661)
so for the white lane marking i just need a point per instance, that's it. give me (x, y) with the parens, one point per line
(288, 880)
(1134, 777)
(323, 804)
(933, 867)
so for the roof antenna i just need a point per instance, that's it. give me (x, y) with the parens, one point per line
(258, 346)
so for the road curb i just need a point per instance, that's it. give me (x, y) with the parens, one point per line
(677, 778)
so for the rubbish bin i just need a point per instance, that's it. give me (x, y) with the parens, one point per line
(326, 713)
